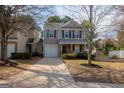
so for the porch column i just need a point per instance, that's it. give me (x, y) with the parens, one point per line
(60, 49)
(84, 47)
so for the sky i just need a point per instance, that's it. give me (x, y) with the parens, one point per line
(61, 11)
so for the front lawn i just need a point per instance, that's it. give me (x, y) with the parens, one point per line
(107, 72)
(7, 73)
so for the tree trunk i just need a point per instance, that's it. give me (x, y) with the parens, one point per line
(89, 54)
(91, 36)
(4, 47)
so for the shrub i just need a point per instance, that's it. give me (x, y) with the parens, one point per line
(93, 57)
(69, 56)
(99, 49)
(106, 53)
(83, 55)
(21, 55)
(114, 57)
(121, 48)
(115, 48)
(36, 54)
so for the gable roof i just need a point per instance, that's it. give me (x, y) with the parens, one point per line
(71, 24)
(53, 25)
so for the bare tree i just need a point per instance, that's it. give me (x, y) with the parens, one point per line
(9, 23)
(119, 23)
(96, 16)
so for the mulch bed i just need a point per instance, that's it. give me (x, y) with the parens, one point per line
(91, 66)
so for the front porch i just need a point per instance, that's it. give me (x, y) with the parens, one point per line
(72, 48)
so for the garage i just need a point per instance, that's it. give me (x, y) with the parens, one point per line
(10, 49)
(51, 50)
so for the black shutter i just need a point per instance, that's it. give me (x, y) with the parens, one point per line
(69, 33)
(80, 33)
(54, 33)
(73, 33)
(47, 33)
(62, 33)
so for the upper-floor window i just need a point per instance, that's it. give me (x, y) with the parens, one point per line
(71, 34)
(77, 34)
(66, 35)
(51, 34)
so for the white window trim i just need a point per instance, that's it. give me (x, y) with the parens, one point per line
(77, 34)
(66, 33)
(51, 34)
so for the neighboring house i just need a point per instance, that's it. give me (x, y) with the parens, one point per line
(110, 40)
(63, 38)
(22, 42)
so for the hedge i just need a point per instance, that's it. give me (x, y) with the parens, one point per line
(69, 56)
(114, 57)
(83, 55)
(21, 55)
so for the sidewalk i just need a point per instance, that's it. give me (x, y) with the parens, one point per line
(98, 85)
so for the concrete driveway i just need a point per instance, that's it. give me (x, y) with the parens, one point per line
(48, 72)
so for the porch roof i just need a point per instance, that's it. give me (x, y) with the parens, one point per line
(71, 41)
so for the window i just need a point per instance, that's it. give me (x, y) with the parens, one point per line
(50, 34)
(55, 33)
(69, 33)
(73, 34)
(80, 33)
(77, 34)
(66, 35)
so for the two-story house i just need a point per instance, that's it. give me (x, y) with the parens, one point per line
(63, 38)
(22, 42)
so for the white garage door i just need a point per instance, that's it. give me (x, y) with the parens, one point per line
(10, 49)
(51, 50)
